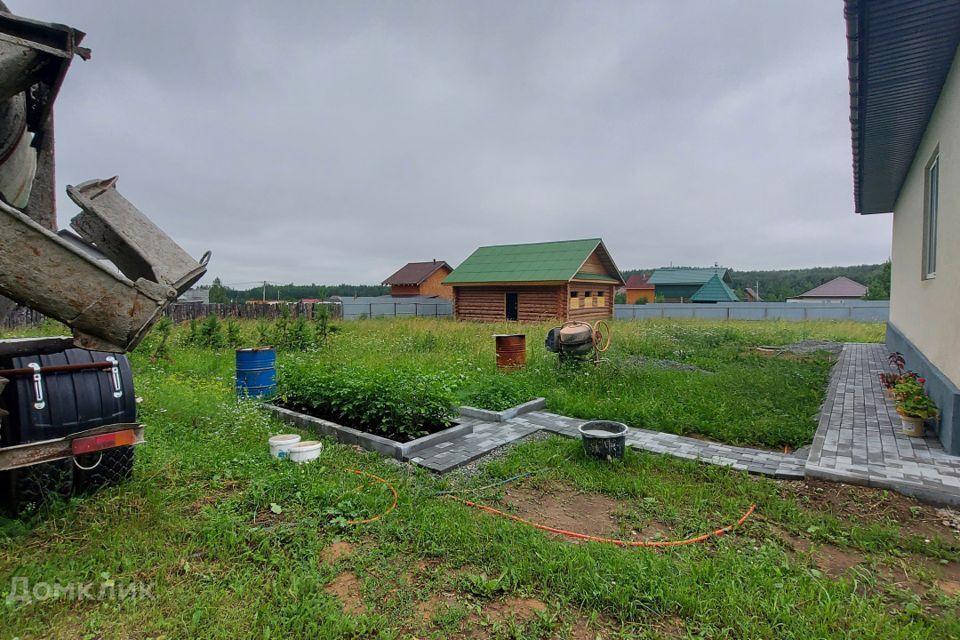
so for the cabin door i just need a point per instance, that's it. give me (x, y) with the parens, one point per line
(512, 306)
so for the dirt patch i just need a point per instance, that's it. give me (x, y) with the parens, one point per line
(830, 559)
(346, 588)
(337, 550)
(835, 561)
(424, 611)
(213, 496)
(590, 514)
(870, 505)
(515, 609)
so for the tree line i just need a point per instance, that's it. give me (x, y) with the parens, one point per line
(778, 285)
(220, 293)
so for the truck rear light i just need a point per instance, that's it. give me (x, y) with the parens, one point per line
(101, 442)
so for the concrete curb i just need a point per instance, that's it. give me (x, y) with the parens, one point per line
(385, 446)
(502, 416)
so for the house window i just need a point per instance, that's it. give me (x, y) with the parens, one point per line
(600, 299)
(574, 300)
(930, 214)
(587, 300)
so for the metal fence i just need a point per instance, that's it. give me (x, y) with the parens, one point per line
(855, 310)
(358, 310)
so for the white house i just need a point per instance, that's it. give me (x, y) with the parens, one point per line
(905, 124)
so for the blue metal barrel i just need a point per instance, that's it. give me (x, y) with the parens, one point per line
(256, 372)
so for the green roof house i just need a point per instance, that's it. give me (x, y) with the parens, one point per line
(714, 290)
(565, 280)
(679, 284)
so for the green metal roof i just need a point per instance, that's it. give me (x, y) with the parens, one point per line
(536, 262)
(685, 275)
(715, 290)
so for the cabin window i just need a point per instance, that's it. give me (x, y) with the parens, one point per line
(587, 300)
(574, 300)
(930, 214)
(601, 302)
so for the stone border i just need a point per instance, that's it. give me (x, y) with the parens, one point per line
(385, 446)
(502, 416)
(403, 451)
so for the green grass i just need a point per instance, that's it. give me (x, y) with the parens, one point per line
(744, 398)
(198, 525)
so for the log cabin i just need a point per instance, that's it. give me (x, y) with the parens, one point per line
(566, 280)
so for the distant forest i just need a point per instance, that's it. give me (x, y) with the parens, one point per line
(776, 286)
(291, 292)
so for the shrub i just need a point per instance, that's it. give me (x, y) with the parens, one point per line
(497, 392)
(389, 402)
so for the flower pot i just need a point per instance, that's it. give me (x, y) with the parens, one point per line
(912, 426)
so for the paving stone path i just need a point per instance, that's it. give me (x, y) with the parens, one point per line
(487, 436)
(859, 438)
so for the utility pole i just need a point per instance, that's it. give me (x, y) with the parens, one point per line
(264, 290)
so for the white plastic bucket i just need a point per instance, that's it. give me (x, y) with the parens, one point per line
(280, 445)
(305, 451)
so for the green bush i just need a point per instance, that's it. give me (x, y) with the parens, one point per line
(391, 402)
(497, 392)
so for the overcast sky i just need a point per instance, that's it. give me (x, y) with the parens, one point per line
(329, 142)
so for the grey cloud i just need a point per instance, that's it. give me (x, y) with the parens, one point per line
(333, 141)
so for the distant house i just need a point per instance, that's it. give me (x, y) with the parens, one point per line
(752, 295)
(421, 279)
(311, 301)
(201, 296)
(836, 290)
(679, 284)
(714, 290)
(904, 107)
(638, 288)
(567, 280)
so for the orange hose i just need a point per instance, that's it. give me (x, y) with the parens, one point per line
(622, 543)
(382, 481)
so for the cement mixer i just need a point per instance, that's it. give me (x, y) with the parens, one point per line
(67, 406)
(578, 340)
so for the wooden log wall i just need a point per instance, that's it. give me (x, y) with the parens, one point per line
(489, 304)
(590, 308)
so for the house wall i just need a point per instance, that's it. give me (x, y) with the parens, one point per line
(635, 295)
(925, 314)
(489, 303)
(433, 286)
(597, 306)
(674, 292)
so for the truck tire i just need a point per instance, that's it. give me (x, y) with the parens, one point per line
(115, 467)
(31, 487)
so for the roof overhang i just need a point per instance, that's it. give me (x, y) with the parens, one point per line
(899, 53)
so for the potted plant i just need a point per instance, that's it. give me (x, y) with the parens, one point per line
(889, 379)
(913, 405)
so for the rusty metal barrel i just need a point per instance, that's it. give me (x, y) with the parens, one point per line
(511, 350)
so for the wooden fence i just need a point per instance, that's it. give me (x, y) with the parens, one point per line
(184, 312)
(24, 317)
(21, 318)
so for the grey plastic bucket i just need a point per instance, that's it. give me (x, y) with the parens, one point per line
(603, 439)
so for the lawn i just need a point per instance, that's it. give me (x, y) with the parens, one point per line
(229, 543)
(729, 392)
